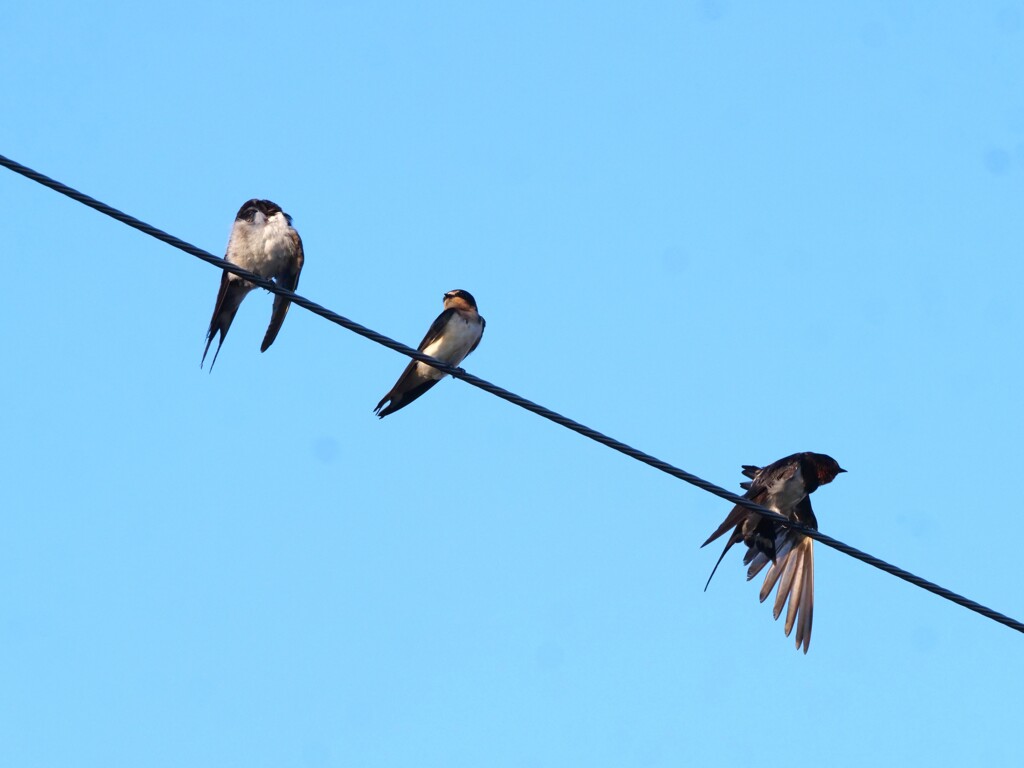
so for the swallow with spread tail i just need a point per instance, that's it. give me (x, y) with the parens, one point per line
(264, 242)
(784, 487)
(453, 335)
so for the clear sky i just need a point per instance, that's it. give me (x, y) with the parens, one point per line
(721, 231)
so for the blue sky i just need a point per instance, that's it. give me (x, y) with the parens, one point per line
(720, 231)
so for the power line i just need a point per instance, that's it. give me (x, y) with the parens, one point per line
(511, 397)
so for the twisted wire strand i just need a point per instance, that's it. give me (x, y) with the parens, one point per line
(511, 397)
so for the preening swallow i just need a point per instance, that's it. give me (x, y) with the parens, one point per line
(262, 241)
(453, 335)
(784, 487)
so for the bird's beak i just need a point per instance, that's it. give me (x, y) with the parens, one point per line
(841, 470)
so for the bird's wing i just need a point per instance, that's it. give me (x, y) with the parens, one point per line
(483, 326)
(767, 477)
(436, 328)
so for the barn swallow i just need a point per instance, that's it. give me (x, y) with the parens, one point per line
(453, 335)
(784, 487)
(262, 241)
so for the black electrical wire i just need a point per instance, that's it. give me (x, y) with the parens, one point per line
(511, 397)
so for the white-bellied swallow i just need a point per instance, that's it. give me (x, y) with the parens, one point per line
(264, 242)
(784, 487)
(452, 336)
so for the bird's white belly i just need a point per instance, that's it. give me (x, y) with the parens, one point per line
(262, 248)
(453, 346)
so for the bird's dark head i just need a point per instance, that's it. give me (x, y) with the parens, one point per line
(826, 467)
(252, 207)
(459, 299)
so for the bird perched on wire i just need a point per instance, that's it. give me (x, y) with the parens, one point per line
(453, 335)
(784, 487)
(264, 242)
